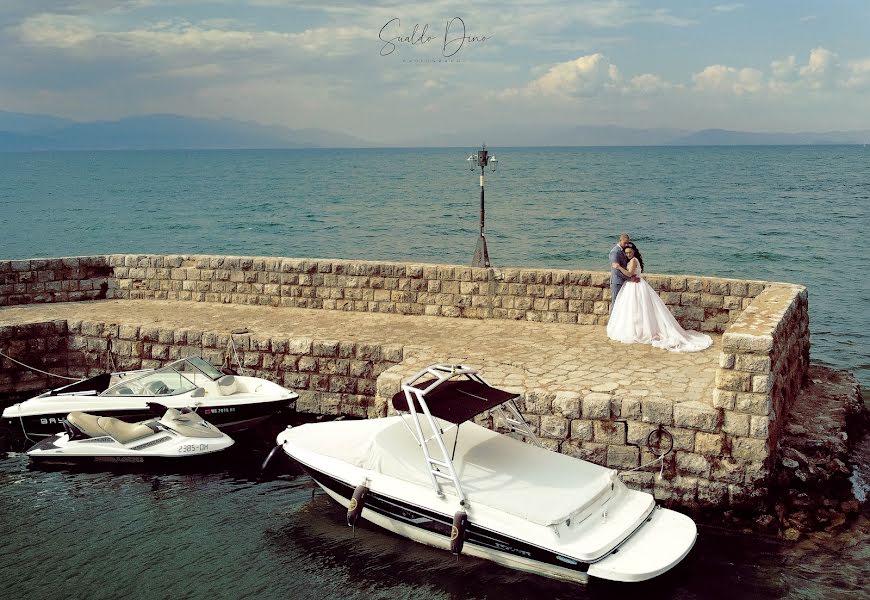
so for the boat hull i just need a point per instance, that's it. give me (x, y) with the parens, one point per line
(524, 507)
(226, 417)
(169, 450)
(434, 529)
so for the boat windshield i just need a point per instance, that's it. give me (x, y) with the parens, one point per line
(162, 382)
(196, 365)
(178, 377)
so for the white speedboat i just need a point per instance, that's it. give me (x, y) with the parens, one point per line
(231, 402)
(93, 439)
(434, 476)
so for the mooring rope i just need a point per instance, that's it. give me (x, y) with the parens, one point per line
(39, 370)
(231, 346)
(659, 459)
(110, 357)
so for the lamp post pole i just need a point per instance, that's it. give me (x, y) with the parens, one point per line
(482, 159)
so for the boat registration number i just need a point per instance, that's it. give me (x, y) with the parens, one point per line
(193, 448)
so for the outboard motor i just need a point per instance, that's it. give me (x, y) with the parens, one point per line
(357, 502)
(457, 532)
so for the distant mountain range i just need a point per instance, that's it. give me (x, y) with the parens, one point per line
(28, 132)
(22, 132)
(612, 135)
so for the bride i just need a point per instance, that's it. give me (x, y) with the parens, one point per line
(640, 316)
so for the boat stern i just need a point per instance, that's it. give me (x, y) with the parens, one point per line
(664, 539)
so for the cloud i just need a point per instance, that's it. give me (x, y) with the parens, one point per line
(784, 74)
(605, 14)
(822, 69)
(618, 14)
(584, 76)
(726, 8)
(648, 84)
(56, 31)
(821, 72)
(807, 18)
(51, 31)
(724, 79)
(858, 74)
(588, 76)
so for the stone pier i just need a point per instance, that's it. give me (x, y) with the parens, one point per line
(345, 333)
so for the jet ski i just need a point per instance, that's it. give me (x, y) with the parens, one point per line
(176, 434)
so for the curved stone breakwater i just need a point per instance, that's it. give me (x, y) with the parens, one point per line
(344, 333)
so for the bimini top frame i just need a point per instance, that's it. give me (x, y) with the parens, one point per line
(453, 393)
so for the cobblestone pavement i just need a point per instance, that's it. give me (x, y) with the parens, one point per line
(530, 356)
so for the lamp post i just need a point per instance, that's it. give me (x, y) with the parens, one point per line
(482, 159)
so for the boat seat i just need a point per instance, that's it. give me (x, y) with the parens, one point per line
(124, 432)
(229, 385)
(86, 423)
(158, 388)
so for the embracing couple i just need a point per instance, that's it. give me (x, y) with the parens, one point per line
(637, 314)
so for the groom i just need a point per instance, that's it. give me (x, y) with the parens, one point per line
(617, 257)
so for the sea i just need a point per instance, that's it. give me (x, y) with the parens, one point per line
(797, 214)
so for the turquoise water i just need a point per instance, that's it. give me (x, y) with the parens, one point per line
(797, 214)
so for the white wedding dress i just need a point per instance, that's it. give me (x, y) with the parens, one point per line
(640, 317)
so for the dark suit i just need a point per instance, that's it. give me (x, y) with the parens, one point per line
(617, 278)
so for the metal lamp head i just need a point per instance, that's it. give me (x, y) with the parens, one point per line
(482, 159)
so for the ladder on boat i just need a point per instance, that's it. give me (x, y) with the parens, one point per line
(442, 468)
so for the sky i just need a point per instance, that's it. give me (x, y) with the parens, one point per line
(386, 71)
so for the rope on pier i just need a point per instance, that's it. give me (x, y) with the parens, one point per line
(39, 370)
(231, 347)
(655, 447)
(661, 468)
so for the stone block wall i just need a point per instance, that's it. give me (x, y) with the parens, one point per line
(763, 365)
(549, 295)
(331, 376)
(54, 280)
(613, 431)
(41, 345)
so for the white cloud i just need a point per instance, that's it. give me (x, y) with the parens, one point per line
(858, 74)
(588, 76)
(821, 72)
(822, 69)
(726, 8)
(784, 75)
(724, 79)
(584, 76)
(56, 31)
(807, 18)
(173, 36)
(648, 84)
